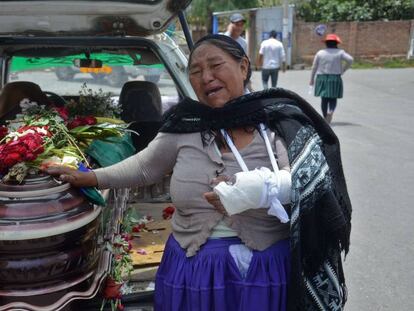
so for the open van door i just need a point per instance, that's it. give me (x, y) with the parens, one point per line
(91, 18)
(37, 39)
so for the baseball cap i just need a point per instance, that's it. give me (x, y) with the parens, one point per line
(237, 17)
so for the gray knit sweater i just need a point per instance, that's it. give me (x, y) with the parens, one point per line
(194, 165)
(331, 61)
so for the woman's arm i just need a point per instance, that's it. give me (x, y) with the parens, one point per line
(314, 68)
(144, 168)
(348, 59)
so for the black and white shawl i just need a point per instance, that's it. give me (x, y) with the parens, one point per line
(320, 211)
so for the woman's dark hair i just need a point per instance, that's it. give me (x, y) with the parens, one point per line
(331, 44)
(228, 45)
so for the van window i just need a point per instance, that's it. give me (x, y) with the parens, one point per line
(61, 75)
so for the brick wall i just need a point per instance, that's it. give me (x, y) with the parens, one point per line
(363, 40)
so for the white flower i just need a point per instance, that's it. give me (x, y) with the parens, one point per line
(26, 104)
(53, 160)
(70, 161)
(41, 130)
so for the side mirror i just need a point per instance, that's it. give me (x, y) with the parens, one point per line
(87, 63)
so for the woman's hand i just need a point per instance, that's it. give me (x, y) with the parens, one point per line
(213, 198)
(74, 177)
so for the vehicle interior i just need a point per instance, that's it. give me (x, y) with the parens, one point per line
(49, 54)
(141, 79)
(108, 68)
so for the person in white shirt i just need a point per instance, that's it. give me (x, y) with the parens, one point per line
(271, 58)
(236, 28)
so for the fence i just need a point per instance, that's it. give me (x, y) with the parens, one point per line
(363, 40)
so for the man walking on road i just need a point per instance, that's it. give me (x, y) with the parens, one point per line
(271, 58)
(236, 28)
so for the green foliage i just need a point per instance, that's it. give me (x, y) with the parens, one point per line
(388, 63)
(269, 3)
(92, 103)
(354, 10)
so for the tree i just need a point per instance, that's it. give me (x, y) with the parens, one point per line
(269, 3)
(354, 10)
(200, 12)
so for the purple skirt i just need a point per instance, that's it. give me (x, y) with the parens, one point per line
(211, 281)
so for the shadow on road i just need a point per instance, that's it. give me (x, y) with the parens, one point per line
(333, 124)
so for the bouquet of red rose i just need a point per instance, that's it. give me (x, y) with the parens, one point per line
(44, 137)
(25, 145)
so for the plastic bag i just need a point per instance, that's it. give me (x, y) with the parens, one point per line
(111, 150)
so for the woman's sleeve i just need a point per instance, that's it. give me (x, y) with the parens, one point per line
(281, 154)
(284, 177)
(348, 61)
(144, 168)
(314, 68)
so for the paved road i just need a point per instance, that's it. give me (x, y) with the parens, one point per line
(375, 124)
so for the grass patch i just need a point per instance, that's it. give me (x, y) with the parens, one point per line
(385, 63)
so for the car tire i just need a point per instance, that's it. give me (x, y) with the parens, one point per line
(152, 78)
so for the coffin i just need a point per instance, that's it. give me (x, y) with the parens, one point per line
(51, 245)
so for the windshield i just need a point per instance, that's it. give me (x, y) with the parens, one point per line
(60, 75)
(64, 69)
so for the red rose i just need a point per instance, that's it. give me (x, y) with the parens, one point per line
(63, 112)
(136, 229)
(13, 143)
(89, 120)
(128, 248)
(33, 142)
(30, 156)
(39, 150)
(127, 236)
(112, 289)
(46, 128)
(168, 212)
(30, 141)
(11, 159)
(3, 132)
(9, 148)
(24, 129)
(74, 123)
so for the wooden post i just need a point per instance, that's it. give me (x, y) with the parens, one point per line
(353, 33)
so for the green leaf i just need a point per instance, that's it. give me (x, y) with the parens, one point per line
(80, 129)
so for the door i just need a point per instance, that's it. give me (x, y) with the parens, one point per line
(82, 18)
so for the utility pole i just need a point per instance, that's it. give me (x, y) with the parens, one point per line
(285, 26)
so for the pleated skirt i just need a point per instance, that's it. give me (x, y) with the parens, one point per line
(329, 86)
(211, 281)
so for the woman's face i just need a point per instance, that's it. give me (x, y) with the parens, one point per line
(215, 76)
